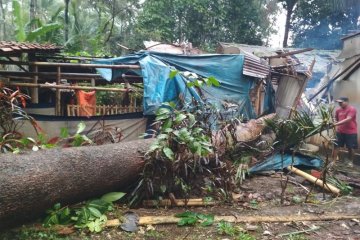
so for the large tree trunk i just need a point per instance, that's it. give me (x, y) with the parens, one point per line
(33, 182)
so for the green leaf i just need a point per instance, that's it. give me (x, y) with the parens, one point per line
(80, 127)
(57, 206)
(185, 214)
(78, 140)
(168, 153)
(162, 136)
(173, 73)
(91, 226)
(95, 212)
(214, 81)
(113, 196)
(18, 19)
(206, 219)
(161, 117)
(180, 117)
(163, 188)
(167, 124)
(33, 35)
(99, 204)
(51, 220)
(192, 120)
(190, 84)
(162, 111)
(64, 132)
(154, 146)
(187, 221)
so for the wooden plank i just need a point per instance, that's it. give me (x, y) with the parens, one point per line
(289, 53)
(32, 85)
(77, 65)
(58, 94)
(35, 91)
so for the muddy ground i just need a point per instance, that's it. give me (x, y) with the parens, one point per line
(260, 195)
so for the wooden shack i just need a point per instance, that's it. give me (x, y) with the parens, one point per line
(46, 75)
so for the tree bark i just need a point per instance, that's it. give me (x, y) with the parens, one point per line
(31, 183)
(66, 27)
(290, 5)
(32, 12)
(2, 24)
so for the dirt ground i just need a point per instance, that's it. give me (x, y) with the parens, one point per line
(259, 196)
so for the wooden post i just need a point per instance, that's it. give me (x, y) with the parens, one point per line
(58, 94)
(35, 91)
(93, 82)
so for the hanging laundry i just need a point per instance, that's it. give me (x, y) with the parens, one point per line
(87, 103)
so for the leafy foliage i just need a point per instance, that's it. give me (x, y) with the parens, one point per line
(345, 188)
(184, 153)
(321, 23)
(30, 35)
(291, 132)
(11, 110)
(91, 215)
(191, 218)
(203, 22)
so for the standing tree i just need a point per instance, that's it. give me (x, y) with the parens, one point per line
(321, 23)
(203, 22)
(289, 6)
(66, 26)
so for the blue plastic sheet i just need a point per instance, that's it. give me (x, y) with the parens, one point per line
(275, 163)
(159, 88)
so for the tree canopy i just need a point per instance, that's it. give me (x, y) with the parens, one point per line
(321, 23)
(97, 27)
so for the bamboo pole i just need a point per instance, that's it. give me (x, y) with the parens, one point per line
(32, 85)
(314, 180)
(289, 53)
(157, 220)
(46, 74)
(78, 65)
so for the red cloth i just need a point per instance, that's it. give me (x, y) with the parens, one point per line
(87, 102)
(349, 127)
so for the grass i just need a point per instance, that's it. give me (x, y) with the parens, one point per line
(297, 237)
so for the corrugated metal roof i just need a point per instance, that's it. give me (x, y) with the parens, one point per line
(253, 65)
(19, 47)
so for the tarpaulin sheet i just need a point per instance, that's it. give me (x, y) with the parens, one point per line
(159, 88)
(275, 163)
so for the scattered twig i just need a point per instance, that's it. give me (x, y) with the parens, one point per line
(313, 228)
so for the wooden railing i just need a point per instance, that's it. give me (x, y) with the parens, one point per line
(74, 110)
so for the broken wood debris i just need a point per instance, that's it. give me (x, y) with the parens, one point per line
(177, 202)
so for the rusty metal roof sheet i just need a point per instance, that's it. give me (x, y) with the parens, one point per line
(17, 47)
(254, 66)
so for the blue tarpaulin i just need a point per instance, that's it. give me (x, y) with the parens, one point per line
(159, 88)
(275, 163)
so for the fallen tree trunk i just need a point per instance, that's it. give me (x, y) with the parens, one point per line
(32, 182)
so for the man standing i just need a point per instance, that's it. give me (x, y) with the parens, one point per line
(346, 128)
